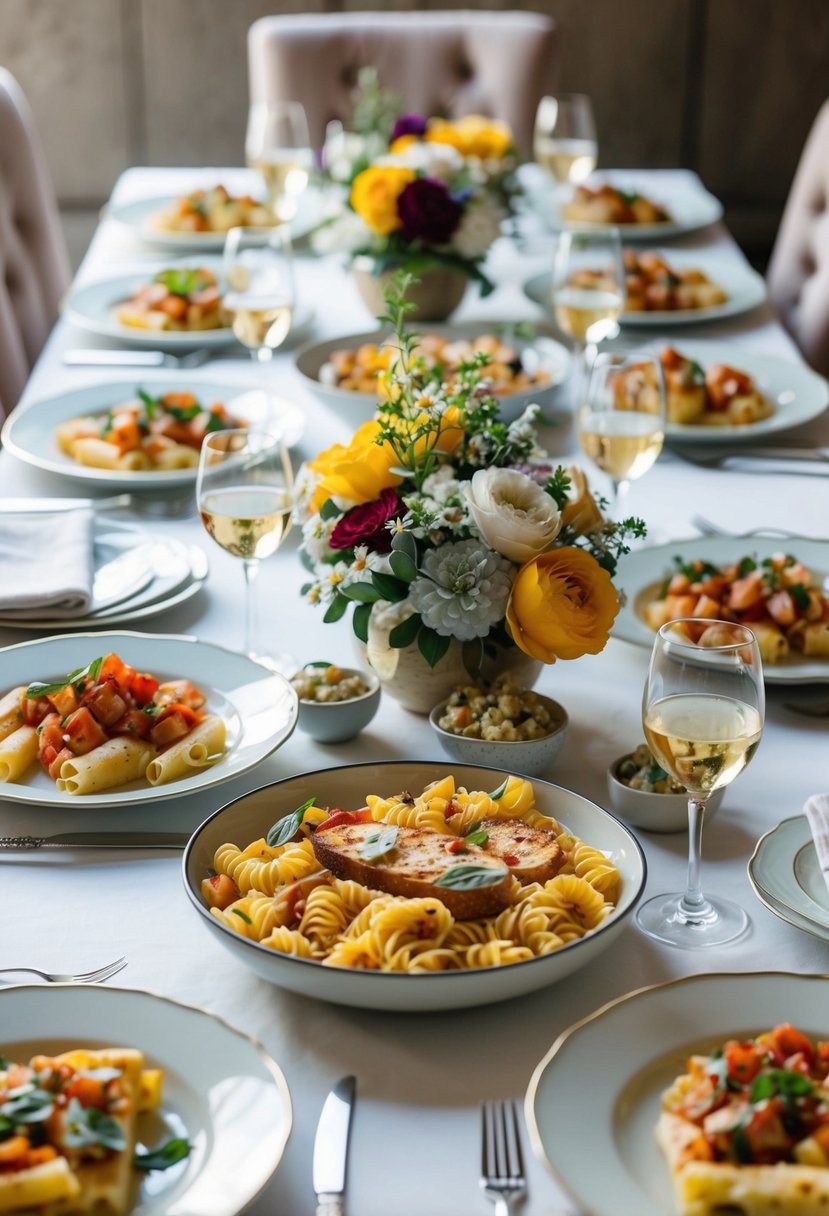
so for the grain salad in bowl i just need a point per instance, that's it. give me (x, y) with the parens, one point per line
(643, 794)
(335, 703)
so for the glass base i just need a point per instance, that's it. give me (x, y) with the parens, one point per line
(715, 923)
(283, 664)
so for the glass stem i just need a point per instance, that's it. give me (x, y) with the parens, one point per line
(579, 375)
(693, 906)
(262, 354)
(251, 569)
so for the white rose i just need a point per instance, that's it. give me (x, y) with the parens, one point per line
(512, 513)
(478, 229)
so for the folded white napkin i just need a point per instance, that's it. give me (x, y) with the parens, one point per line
(46, 564)
(816, 810)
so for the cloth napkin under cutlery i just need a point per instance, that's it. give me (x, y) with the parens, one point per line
(816, 810)
(46, 564)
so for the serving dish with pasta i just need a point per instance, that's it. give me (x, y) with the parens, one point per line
(781, 593)
(128, 722)
(177, 298)
(466, 886)
(654, 284)
(610, 205)
(209, 210)
(115, 1101)
(718, 395)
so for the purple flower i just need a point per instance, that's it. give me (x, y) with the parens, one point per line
(428, 212)
(408, 124)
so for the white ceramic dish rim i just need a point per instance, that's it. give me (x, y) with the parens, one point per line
(551, 734)
(121, 390)
(90, 307)
(202, 780)
(645, 993)
(629, 627)
(692, 208)
(379, 976)
(778, 891)
(269, 1064)
(136, 214)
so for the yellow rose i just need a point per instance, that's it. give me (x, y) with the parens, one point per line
(374, 195)
(484, 137)
(561, 606)
(357, 473)
(402, 143)
(440, 132)
(581, 511)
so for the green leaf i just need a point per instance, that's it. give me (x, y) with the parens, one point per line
(318, 663)
(392, 589)
(359, 621)
(181, 280)
(478, 838)
(330, 510)
(403, 566)
(363, 593)
(741, 1146)
(91, 671)
(29, 1104)
(404, 542)
(215, 423)
(404, 634)
(242, 915)
(184, 413)
(152, 404)
(746, 566)
(285, 829)
(472, 653)
(4, 1063)
(6, 1128)
(86, 1126)
(471, 877)
(378, 844)
(433, 646)
(166, 1155)
(800, 596)
(336, 609)
(497, 795)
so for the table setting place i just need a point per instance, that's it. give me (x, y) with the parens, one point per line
(414, 685)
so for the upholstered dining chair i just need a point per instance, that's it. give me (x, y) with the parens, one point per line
(34, 264)
(450, 63)
(798, 274)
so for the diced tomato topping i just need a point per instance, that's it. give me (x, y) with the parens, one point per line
(219, 891)
(83, 732)
(743, 1061)
(510, 859)
(455, 846)
(182, 692)
(336, 817)
(134, 722)
(65, 753)
(143, 688)
(37, 1156)
(88, 1091)
(34, 709)
(50, 737)
(104, 700)
(175, 724)
(65, 701)
(13, 1151)
(113, 665)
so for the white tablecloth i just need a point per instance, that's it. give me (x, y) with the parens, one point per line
(415, 1136)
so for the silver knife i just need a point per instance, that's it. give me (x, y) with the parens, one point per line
(97, 840)
(25, 506)
(331, 1148)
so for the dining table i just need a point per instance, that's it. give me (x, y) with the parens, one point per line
(420, 1077)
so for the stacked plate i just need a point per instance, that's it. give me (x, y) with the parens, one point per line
(787, 878)
(134, 578)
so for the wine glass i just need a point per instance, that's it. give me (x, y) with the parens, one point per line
(622, 419)
(244, 492)
(564, 141)
(278, 145)
(588, 290)
(703, 716)
(259, 288)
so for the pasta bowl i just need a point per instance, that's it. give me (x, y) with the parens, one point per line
(248, 818)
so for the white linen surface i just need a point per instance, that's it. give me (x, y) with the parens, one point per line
(46, 564)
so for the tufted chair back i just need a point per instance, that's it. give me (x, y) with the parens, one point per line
(798, 275)
(448, 63)
(34, 266)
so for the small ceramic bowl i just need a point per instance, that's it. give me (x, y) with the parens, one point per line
(338, 721)
(651, 811)
(530, 757)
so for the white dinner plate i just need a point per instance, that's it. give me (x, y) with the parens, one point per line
(139, 215)
(691, 207)
(541, 350)
(29, 433)
(745, 289)
(786, 876)
(179, 571)
(249, 817)
(641, 573)
(593, 1101)
(221, 1089)
(259, 707)
(797, 393)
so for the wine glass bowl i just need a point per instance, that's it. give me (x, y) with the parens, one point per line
(588, 285)
(564, 138)
(278, 146)
(259, 292)
(702, 711)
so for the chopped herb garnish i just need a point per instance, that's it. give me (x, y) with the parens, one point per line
(242, 915)
(86, 1126)
(163, 1157)
(90, 672)
(285, 829)
(181, 282)
(800, 596)
(471, 877)
(746, 566)
(151, 404)
(378, 844)
(497, 795)
(28, 1104)
(478, 838)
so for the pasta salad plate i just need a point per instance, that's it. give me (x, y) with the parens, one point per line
(210, 1101)
(110, 719)
(786, 876)
(796, 655)
(643, 1041)
(301, 880)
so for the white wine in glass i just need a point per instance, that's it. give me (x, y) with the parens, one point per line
(278, 146)
(564, 140)
(244, 492)
(702, 712)
(622, 420)
(259, 288)
(588, 286)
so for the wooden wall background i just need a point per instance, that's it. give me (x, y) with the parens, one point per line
(727, 87)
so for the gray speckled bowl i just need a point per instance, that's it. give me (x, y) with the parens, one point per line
(338, 721)
(530, 757)
(650, 811)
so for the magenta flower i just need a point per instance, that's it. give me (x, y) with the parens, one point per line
(408, 124)
(366, 524)
(428, 212)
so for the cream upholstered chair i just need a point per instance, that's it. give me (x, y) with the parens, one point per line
(34, 265)
(449, 63)
(798, 275)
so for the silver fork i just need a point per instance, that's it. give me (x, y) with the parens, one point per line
(502, 1163)
(707, 528)
(87, 977)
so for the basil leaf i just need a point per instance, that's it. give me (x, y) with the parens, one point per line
(762, 1087)
(470, 877)
(742, 1146)
(746, 566)
(285, 829)
(478, 838)
(378, 844)
(86, 1126)
(242, 915)
(29, 1104)
(183, 413)
(497, 795)
(4, 1063)
(39, 689)
(215, 423)
(181, 282)
(152, 404)
(166, 1155)
(6, 1128)
(800, 596)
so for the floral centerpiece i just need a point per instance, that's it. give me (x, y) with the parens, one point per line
(449, 532)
